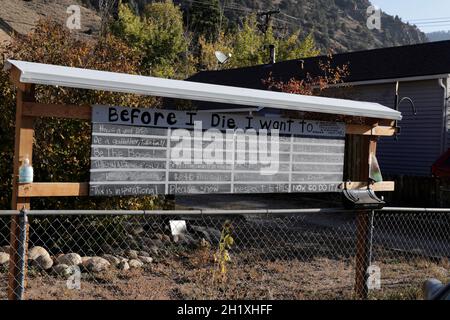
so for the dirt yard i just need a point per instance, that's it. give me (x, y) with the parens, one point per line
(191, 276)
(304, 256)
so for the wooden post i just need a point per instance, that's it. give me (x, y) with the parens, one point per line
(363, 222)
(363, 252)
(24, 134)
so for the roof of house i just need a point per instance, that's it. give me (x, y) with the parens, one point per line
(388, 63)
(46, 74)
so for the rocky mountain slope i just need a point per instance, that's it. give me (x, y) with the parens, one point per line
(438, 36)
(339, 25)
(21, 16)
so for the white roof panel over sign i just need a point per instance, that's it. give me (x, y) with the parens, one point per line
(46, 74)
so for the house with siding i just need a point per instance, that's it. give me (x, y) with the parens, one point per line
(422, 72)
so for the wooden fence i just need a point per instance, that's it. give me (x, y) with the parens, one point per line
(413, 191)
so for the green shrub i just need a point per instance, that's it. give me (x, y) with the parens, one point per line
(62, 147)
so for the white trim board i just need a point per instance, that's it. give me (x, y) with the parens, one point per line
(46, 74)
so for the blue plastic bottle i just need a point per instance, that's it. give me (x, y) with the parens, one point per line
(26, 171)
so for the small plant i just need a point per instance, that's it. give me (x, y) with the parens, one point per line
(222, 256)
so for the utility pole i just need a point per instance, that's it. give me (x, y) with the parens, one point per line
(222, 13)
(107, 9)
(267, 17)
(263, 27)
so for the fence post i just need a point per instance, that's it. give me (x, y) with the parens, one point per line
(364, 236)
(22, 243)
(358, 170)
(23, 146)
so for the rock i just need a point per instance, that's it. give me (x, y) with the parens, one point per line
(97, 264)
(37, 251)
(5, 249)
(189, 240)
(43, 262)
(4, 257)
(107, 248)
(70, 259)
(133, 228)
(40, 258)
(137, 230)
(204, 243)
(154, 242)
(185, 239)
(135, 263)
(166, 238)
(179, 237)
(58, 255)
(118, 252)
(123, 265)
(123, 258)
(132, 254)
(154, 250)
(112, 259)
(63, 270)
(144, 254)
(210, 234)
(146, 260)
(152, 246)
(84, 260)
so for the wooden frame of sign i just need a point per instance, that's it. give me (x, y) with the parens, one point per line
(361, 141)
(360, 135)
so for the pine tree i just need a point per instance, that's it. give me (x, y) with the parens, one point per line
(158, 35)
(204, 18)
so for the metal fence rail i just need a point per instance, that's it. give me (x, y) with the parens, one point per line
(228, 254)
(172, 212)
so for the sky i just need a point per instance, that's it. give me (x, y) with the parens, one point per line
(428, 15)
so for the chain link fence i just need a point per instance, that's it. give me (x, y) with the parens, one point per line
(310, 254)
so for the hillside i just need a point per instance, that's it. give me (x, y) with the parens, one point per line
(438, 36)
(339, 25)
(20, 16)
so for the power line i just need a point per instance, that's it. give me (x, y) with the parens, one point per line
(289, 16)
(431, 23)
(420, 22)
(225, 6)
(233, 6)
(287, 22)
(428, 19)
(440, 25)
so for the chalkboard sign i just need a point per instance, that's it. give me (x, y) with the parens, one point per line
(150, 151)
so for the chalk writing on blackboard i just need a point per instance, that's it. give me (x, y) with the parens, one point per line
(142, 152)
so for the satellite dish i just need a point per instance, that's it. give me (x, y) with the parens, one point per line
(222, 57)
